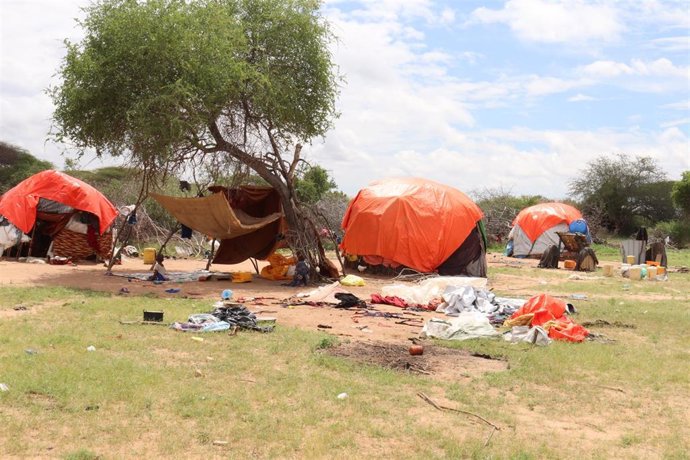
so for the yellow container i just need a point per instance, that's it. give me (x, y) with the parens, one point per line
(660, 270)
(149, 255)
(608, 270)
(651, 273)
(635, 273)
(631, 260)
(241, 277)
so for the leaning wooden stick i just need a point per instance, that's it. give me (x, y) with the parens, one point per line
(439, 407)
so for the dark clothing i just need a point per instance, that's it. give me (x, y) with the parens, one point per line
(301, 276)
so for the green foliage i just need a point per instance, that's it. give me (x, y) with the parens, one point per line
(149, 78)
(500, 208)
(16, 164)
(678, 230)
(313, 184)
(618, 189)
(681, 194)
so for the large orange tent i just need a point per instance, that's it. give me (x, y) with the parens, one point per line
(417, 223)
(19, 205)
(61, 211)
(535, 227)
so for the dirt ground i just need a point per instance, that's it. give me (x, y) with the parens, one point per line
(270, 299)
(269, 296)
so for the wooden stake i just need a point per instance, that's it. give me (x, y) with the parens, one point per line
(439, 407)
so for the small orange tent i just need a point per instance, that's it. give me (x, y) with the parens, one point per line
(413, 222)
(535, 227)
(19, 205)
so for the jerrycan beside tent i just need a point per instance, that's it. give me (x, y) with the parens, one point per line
(416, 223)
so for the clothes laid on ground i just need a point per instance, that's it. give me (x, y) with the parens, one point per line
(348, 300)
(201, 322)
(238, 315)
(177, 277)
(549, 313)
(467, 325)
(389, 300)
(466, 298)
(426, 291)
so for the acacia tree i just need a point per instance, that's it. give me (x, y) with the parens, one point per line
(620, 188)
(164, 81)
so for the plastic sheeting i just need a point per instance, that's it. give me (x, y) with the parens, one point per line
(19, 205)
(467, 325)
(213, 216)
(413, 222)
(549, 312)
(430, 289)
(536, 219)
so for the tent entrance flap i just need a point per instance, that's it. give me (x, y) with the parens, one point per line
(213, 216)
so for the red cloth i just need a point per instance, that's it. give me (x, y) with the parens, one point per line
(388, 300)
(550, 312)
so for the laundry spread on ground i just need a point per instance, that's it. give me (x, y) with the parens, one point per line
(178, 277)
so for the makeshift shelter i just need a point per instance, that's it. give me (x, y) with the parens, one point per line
(65, 216)
(416, 223)
(248, 220)
(536, 228)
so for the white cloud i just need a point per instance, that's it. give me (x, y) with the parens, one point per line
(543, 21)
(579, 97)
(671, 44)
(678, 122)
(682, 105)
(653, 76)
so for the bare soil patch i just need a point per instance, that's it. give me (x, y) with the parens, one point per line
(438, 362)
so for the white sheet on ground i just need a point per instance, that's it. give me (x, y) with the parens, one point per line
(431, 288)
(467, 298)
(467, 325)
(535, 335)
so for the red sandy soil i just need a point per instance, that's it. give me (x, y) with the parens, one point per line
(271, 295)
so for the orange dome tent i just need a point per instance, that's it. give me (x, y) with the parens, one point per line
(51, 201)
(417, 223)
(535, 227)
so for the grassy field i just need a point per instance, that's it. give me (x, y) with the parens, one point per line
(148, 392)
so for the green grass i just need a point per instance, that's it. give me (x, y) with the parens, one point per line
(274, 395)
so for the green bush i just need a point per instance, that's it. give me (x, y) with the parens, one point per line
(678, 230)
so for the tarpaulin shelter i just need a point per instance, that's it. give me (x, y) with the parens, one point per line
(416, 223)
(247, 220)
(535, 228)
(67, 212)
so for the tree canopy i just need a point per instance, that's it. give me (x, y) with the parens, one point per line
(681, 194)
(16, 164)
(159, 78)
(163, 81)
(313, 184)
(621, 189)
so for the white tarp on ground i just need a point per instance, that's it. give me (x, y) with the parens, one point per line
(467, 325)
(430, 289)
(468, 298)
(535, 335)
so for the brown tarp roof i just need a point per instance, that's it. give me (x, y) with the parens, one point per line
(213, 216)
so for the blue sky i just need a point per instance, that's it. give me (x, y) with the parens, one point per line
(514, 94)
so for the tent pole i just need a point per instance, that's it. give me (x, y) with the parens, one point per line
(31, 243)
(255, 263)
(125, 228)
(210, 257)
(170, 235)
